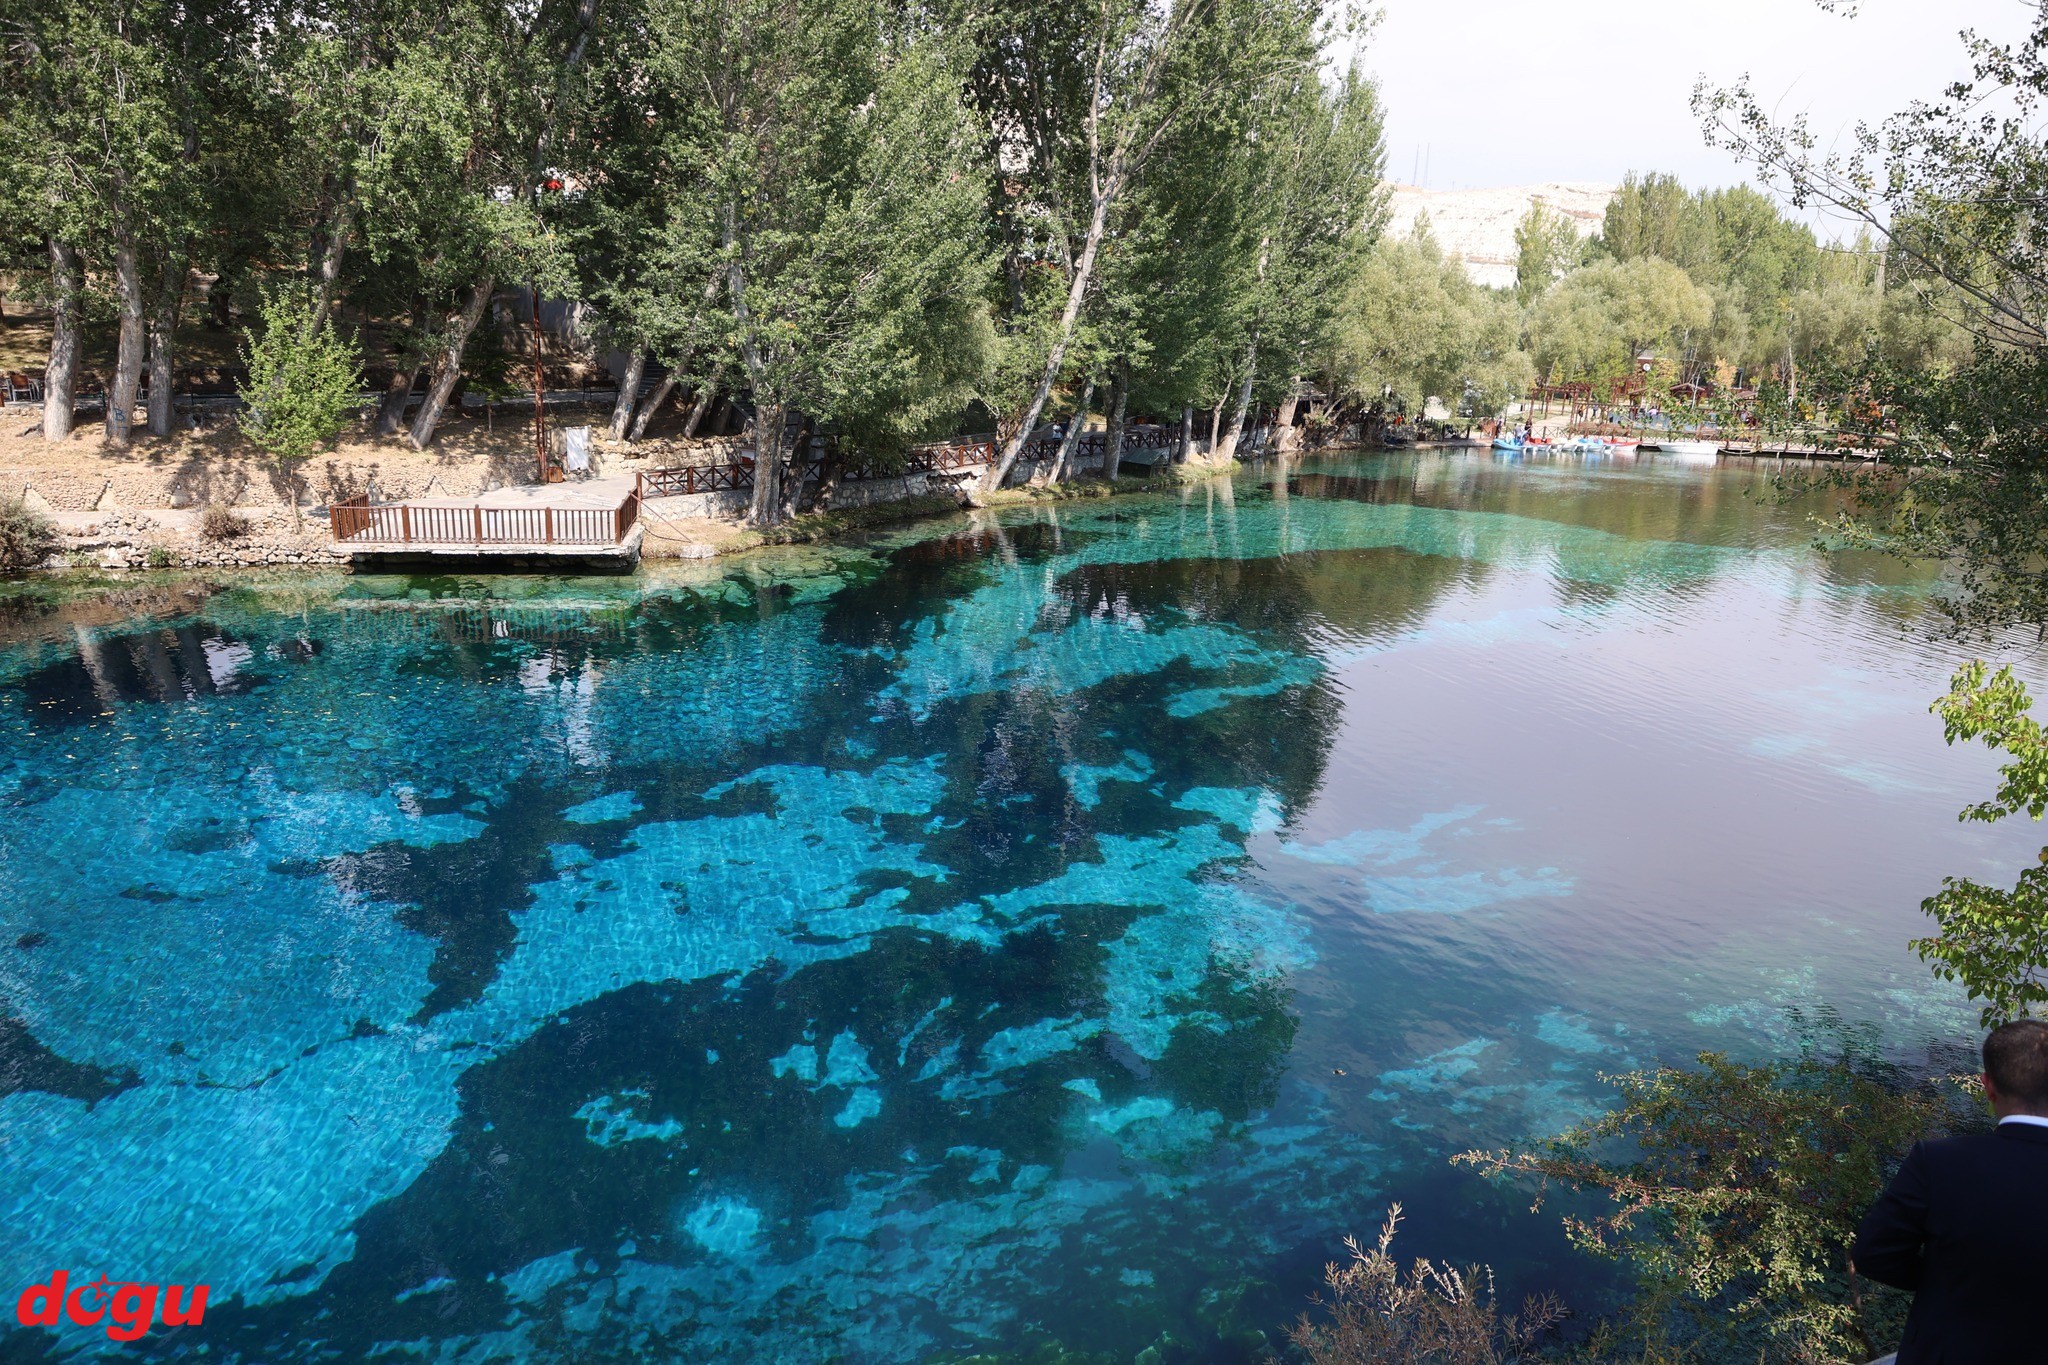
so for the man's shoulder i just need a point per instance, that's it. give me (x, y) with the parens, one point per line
(2011, 1142)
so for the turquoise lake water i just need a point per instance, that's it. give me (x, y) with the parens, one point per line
(1060, 927)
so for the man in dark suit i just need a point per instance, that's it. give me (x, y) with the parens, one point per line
(1964, 1224)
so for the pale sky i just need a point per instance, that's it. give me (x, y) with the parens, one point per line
(1513, 92)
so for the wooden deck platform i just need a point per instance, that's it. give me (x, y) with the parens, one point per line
(591, 521)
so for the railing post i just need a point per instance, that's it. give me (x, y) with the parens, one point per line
(405, 518)
(549, 522)
(477, 520)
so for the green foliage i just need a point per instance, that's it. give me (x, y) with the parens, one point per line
(1653, 215)
(303, 381)
(1952, 386)
(1594, 322)
(1993, 942)
(1373, 1314)
(1733, 242)
(26, 537)
(828, 236)
(1732, 1192)
(1963, 473)
(1416, 327)
(1547, 245)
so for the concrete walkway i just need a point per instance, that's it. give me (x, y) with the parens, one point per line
(600, 493)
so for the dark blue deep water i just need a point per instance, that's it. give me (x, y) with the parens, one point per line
(1051, 930)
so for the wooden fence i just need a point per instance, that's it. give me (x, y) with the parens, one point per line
(358, 520)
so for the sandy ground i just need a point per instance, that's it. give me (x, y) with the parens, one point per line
(470, 456)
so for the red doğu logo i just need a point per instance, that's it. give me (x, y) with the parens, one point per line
(127, 1308)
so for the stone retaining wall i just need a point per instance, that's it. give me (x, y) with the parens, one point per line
(202, 474)
(132, 540)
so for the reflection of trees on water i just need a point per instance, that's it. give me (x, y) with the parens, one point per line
(1644, 504)
(1290, 602)
(184, 662)
(1715, 509)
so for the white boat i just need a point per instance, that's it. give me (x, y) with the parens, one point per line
(1704, 451)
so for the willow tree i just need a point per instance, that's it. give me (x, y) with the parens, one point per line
(1416, 327)
(1598, 320)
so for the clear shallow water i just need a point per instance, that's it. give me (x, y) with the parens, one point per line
(1063, 927)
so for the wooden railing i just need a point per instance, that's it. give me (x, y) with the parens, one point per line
(696, 478)
(360, 521)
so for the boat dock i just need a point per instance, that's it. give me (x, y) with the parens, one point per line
(594, 522)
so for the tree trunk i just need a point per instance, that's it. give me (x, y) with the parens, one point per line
(629, 394)
(705, 398)
(668, 384)
(766, 507)
(646, 412)
(1113, 435)
(799, 460)
(829, 469)
(60, 380)
(128, 354)
(329, 268)
(1228, 449)
(163, 325)
(448, 365)
(220, 297)
(769, 420)
(158, 403)
(391, 411)
(1077, 290)
(1065, 459)
(1187, 432)
(1283, 420)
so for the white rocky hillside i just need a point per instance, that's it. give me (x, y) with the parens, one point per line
(1478, 226)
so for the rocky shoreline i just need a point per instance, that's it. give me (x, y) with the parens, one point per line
(91, 499)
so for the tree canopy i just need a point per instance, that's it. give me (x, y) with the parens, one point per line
(869, 222)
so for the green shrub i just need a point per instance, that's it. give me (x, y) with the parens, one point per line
(26, 537)
(1734, 1192)
(303, 383)
(1992, 941)
(160, 557)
